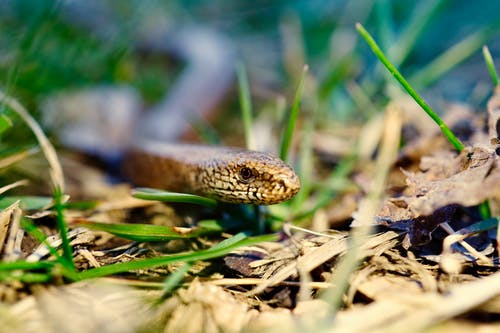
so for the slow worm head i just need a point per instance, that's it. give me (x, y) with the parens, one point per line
(226, 174)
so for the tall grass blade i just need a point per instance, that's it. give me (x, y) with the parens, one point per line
(490, 65)
(420, 18)
(63, 227)
(246, 105)
(420, 101)
(211, 253)
(152, 194)
(292, 117)
(451, 57)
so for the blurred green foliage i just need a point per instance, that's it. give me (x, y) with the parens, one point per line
(42, 51)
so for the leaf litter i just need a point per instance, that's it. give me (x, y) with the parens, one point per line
(401, 283)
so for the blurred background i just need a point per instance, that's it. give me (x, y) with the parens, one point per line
(48, 47)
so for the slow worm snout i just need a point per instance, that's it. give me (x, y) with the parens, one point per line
(226, 174)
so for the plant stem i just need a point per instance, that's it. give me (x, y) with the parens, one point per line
(490, 65)
(245, 104)
(420, 101)
(287, 136)
(63, 229)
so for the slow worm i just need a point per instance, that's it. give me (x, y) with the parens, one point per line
(227, 174)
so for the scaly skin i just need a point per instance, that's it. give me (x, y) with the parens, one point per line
(226, 174)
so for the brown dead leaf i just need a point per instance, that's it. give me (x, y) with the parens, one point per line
(447, 182)
(476, 182)
(81, 307)
(423, 138)
(205, 308)
(389, 287)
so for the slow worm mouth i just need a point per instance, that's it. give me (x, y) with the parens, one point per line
(283, 190)
(290, 182)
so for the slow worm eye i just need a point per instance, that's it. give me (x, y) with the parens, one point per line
(246, 173)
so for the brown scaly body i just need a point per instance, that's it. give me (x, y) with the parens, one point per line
(226, 174)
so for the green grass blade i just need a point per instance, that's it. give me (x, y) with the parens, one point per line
(82, 205)
(292, 117)
(153, 194)
(26, 265)
(490, 65)
(385, 22)
(170, 259)
(25, 277)
(336, 74)
(306, 167)
(31, 228)
(451, 57)
(5, 123)
(148, 232)
(174, 279)
(420, 18)
(420, 101)
(63, 229)
(246, 105)
(481, 226)
(484, 208)
(26, 202)
(210, 224)
(230, 241)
